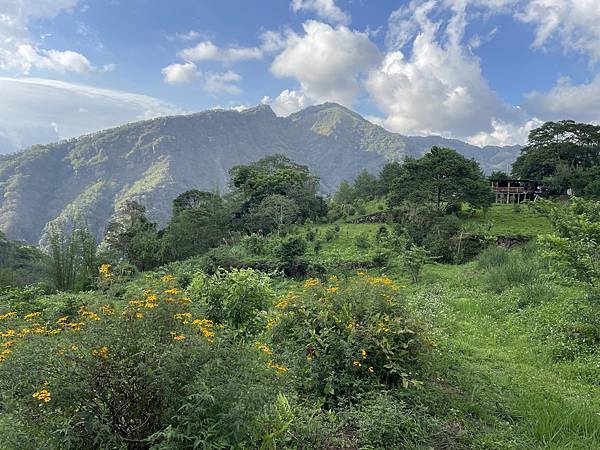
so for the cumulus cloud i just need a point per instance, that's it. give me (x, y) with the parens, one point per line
(574, 24)
(326, 61)
(325, 9)
(437, 87)
(19, 52)
(217, 83)
(505, 133)
(287, 102)
(181, 73)
(37, 111)
(566, 101)
(207, 51)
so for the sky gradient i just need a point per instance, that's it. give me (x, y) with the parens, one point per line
(485, 71)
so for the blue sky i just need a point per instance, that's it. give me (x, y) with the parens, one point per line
(485, 71)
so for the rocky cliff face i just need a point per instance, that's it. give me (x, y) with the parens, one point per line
(84, 180)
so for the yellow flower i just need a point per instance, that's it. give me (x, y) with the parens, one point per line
(107, 309)
(178, 337)
(73, 348)
(332, 290)
(139, 315)
(4, 354)
(104, 269)
(333, 278)
(89, 314)
(282, 304)
(62, 320)
(183, 316)
(167, 278)
(370, 369)
(9, 343)
(136, 303)
(151, 298)
(271, 323)
(360, 273)
(264, 348)
(43, 395)
(76, 326)
(277, 367)
(101, 353)
(363, 353)
(32, 315)
(356, 363)
(7, 315)
(8, 333)
(310, 283)
(185, 300)
(172, 291)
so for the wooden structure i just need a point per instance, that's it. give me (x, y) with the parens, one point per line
(515, 191)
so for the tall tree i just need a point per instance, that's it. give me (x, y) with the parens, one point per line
(562, 155)
(441, 176)
(200, 221)
(72, 258)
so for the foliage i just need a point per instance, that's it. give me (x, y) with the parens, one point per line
(562, 155)
(72, 258)
(413, 259)
(126, 376)
(442, 176)
(20, 264)
(575, 244)
(277, 175)
(346, 335)
(237, 298)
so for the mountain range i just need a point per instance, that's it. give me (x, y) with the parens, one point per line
(83, 180)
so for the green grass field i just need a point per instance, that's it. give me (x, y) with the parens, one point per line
(511, 220)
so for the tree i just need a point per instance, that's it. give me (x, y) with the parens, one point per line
(499, 175)
(345, 194)
(133, 236)
(442, 176)
(389, 173)
(365, 186)
(200, 221)
(278, 175)
(575, 244)
(272, 214)
(72, 258)
(562, 155)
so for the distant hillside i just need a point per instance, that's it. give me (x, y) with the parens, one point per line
(85, 179)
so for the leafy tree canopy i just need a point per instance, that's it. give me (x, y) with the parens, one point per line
(562, 155)
(442, 176)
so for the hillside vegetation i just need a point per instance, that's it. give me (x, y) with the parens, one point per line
(406, 312)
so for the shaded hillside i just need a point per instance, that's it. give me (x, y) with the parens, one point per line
(84, 180)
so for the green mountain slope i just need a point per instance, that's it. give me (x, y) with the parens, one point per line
(84, 180)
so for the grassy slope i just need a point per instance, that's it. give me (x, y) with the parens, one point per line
(504, 377)
(500, 383)
(508, 220)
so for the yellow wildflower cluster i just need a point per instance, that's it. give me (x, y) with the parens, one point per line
(286, 300)
(333, 278)
(177, 337)
(88, 314)
(107, 310)
(104, 271)
(8, 333)
(205, 327)
(277, 367)
(264, 348)
(32, 315)
(101, 353)
(310, 283)
(172, 291)
(167, 278)
(4, 354)
(7, 315)
(43, 395)
(332, 290)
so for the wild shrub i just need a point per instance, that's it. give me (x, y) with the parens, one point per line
(235, 298)
(152, 371)
(362, 242)
(414, 259)
(344, 336)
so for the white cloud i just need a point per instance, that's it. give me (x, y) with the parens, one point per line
(439, 87)
(181, 73)
(575, 24)
(189, 36)
(505, 133)
(287, 102)
(566, 101)
(325, 9)
(36, 110)
(217, 83)
(207, 51)
(327, 62)
(19, 52)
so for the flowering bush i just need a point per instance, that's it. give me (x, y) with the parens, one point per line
(343, 335)
(152, 371)
(235, 298)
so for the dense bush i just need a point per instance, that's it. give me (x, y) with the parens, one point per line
(235, 298)
(345, 336)
(152, 371)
